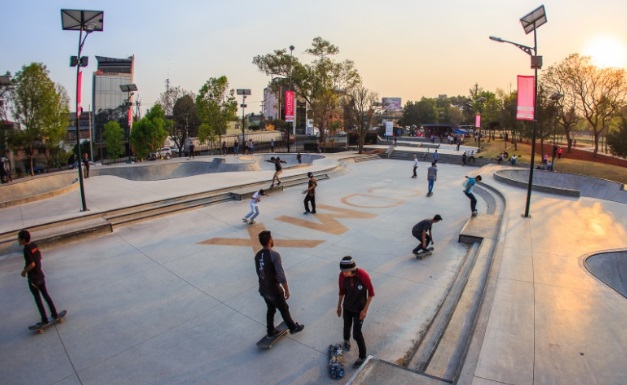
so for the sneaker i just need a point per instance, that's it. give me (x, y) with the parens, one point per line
(297, 328)
(347, 346)
(251, 222)
(244, 220)
(358, 363)
(307, 212)
(313, 212)
(273, 334)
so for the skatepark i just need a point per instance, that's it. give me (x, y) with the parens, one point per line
(169, 295)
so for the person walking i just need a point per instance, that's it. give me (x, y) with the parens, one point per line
(254, 207)
(251, 147)
(236, 147)
(299, 158)
(86, 164)
(432, 176)
(273, 285)
(436, 156)
(271, 145)
(36, 278)
(355, 295)
(310, 194)
(278, 169)
(422, 232)
(470, 183)
(415, 166)
(192, 148)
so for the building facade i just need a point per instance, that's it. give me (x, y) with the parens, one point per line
(109, 101)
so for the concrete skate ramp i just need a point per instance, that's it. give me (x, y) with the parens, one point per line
(611, 268)
(160, 170)
(30, 189)
(565, 184)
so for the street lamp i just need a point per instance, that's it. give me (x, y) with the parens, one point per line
(129, 89)
(244, 93)
(88, 21)
(530, 23)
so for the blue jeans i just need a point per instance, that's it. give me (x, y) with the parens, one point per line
(473, 201)
(254, 211)
(431, 183)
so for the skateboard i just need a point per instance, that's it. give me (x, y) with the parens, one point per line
(40, 328)
(336, 362)
(276, 187)
(266, 343)
(424, 253)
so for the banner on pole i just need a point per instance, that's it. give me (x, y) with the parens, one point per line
(79, 87)
(526, 98)
(478, 120)
(289, 106)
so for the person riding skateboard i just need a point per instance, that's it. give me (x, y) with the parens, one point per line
(422, 232)
(470, 183)
(36, 277)
(278, 169)
(355, 295)
(432, 176)
(273, 285)
(254, 207)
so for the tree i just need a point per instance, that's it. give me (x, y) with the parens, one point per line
(507, 114)
(361, 107)
(40, 108)
(114, 138)
(617, 140)
(169, 98)
(599, 92)
(185, 120)
(215, 107)
(149, 132)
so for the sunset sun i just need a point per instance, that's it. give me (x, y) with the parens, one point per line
(606, 51)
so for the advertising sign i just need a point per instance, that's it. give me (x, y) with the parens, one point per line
(289, 106)
(391, 104)
(526, 98)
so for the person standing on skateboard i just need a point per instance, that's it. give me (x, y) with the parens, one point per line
(432, 176)
(36, 281)
(311, 194)
(278, 169)
(470, 183)
(422, 232)
(273, 285)
(356, 292)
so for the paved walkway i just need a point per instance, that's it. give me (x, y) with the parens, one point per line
(174, 300)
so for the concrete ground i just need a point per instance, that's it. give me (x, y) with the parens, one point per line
(174, 300)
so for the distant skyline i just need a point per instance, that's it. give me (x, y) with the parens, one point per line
(402, 48)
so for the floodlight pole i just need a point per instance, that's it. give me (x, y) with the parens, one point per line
(533, 20)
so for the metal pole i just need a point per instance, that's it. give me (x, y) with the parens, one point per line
(533, 134)
(243, 120)
(78, 136)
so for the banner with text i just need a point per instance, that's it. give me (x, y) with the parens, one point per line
(526, 98)
(289, 106)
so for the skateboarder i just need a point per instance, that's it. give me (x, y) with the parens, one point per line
(422, 232)
(356, 292)
(432, 176)
(470, 183)
(36, 281)
(273, 285)
(278, 169)
(311, 194)
(415, 166)
(254, 207)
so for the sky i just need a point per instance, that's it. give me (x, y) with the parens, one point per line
(402, 48)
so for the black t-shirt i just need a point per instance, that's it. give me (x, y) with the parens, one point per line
(424, 225)
(277, 164)
(269, 268)
(32, 254)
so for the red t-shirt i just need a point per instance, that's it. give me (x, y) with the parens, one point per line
(356, 289)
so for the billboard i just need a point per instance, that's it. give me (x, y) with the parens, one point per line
(289, 106)
(391, 104)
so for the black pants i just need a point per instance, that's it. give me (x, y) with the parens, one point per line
(312, 199)
(352, 319)
(418, 236)
(280, 304)
(473, 201)
(415, 168)
(40, 287)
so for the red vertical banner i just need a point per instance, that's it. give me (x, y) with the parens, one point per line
(130, 116)
(289, 106)
(79, 87)
(526, 98)
(478, 120)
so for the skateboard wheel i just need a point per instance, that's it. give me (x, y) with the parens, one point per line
(40, 331)
(61, 320)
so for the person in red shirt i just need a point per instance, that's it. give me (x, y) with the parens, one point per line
(356, 292)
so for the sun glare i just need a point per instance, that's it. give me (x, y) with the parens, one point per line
(606, 51)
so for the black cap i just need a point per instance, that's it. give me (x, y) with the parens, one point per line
(310, 174)
(437, 217)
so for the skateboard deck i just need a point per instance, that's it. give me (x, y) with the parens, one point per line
(40, 328)
(336, 361)
(266, 343)
(424, 253)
